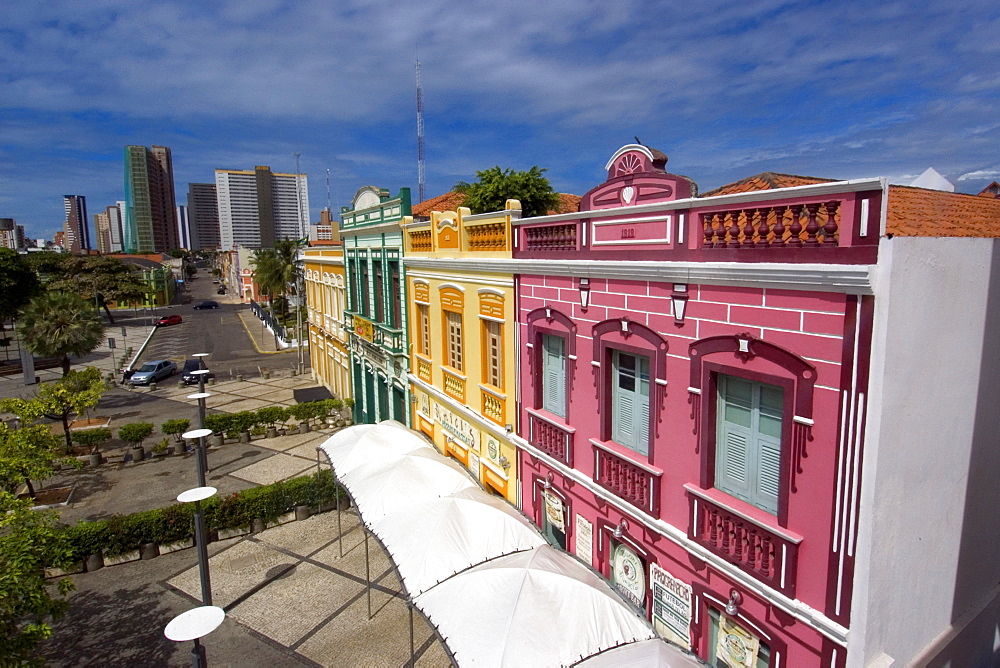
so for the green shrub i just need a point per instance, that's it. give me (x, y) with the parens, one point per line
(270, 416)
(92, 438)
(219, 423)
(135, 432)
(175, 427)
(124, 533)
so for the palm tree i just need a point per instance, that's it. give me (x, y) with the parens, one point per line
(276, 269)
(60, 324)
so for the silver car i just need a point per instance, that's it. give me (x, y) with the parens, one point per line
(153, 371)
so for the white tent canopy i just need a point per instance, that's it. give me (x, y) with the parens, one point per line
(468, 527)
(642, 655)
(497, 593)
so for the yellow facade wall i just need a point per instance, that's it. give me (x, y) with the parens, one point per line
(462, 359)
(325, 299)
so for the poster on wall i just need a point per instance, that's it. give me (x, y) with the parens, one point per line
(554, 511)
(736, 647)
(474, 465)
(584, 540)
(671, 607)
(628, 574)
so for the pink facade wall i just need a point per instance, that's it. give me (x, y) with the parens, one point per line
(808, 324)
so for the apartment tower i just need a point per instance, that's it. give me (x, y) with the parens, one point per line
(259, 207)
(76, 228)
(203, 216)
(150, 209)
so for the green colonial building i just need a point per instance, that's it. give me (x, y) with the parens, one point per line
(376, 308)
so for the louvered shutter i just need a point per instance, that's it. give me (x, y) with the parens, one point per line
(630, 402)
(554, 375)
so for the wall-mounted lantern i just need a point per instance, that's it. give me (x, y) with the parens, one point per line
(679, 297)
(584, 285)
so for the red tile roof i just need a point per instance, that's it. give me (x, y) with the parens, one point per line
(765, 181)
(918, 212)
(992, 190)
(452, 200)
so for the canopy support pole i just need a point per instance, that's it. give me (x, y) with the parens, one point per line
(368, 576)
(413, 658)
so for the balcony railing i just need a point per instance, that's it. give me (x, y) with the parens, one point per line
(420, 241)
(768, 554)
(424, 370)
(553, 439)
(627, 479)
(487, 237)
(809, 225)
(454, 385)
(494, 407)
(559, 237)
(390, 339)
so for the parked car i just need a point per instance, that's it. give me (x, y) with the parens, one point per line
(169, 320)
(190, 378)
(206, 304)
(153, 371)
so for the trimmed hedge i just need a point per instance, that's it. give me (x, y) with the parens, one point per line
(233, 424)
(123, 533)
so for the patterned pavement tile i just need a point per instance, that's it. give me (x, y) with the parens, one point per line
(235, 571)
(272, 469)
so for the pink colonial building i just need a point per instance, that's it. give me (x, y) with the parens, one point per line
(705, 379)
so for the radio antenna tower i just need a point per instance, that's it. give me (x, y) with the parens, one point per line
(420, 137)
(328, 191)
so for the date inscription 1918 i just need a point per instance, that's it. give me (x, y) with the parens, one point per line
(628, 233)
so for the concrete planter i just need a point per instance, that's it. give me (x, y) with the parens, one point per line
(244, 437)
(94, 562)
(95, 459)
(138, 453)
(218, 439)
(272, 432)
(72, 569)
(304, 427)
(233, 533)
(167, 548)
(180, 448)
(303, 512)
(132, 555)
(149, 551)
(257, 525)
(287, 517)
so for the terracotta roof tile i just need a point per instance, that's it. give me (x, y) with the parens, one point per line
(447, 202)
(992, 190)
(917, 212)
(765, 181)
(452, 200)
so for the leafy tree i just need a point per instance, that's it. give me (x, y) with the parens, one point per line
(495, 186)
(18, 284)
(29, 542)
(60, 324)
(102, 278)
(76, 392)
(276, 270)
(92, 438)
(135, 432)
(26, 454)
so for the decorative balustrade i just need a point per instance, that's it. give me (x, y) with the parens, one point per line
(493, 406)
(787, 226)
(424, 370)
(454, 385)
(767, 554)
(391, 339)
(627, 479)
(553, 439)
(487, 237)
(420, 241)
(550, 237)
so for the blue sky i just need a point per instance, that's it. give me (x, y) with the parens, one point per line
(726, 89)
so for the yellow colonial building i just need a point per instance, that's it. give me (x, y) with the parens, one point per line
(463, 374)
(328, 338)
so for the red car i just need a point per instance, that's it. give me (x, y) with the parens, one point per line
(169, 320)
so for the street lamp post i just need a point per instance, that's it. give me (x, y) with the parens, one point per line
(196, 496)
(193, 625)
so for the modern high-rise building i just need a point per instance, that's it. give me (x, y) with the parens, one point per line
(108, 228)
(150, 205)
(183, 227)
(259, 207)
(9, 234)
(77, 237)
(203, 216)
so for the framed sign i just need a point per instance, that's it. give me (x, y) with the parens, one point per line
(671, 607)
(628, 574)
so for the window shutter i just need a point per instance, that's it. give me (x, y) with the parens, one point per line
(630, 402)
(554, 375)
(769, 474)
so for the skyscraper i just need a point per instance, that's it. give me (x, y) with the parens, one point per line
(183, 227)
(76, 227)
(150, 209)
(203, 216)
(260, 207)
(108, 228)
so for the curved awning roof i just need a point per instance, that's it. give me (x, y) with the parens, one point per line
(497, 592)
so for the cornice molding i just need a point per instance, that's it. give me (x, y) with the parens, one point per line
(812, 190)
(846, 279)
